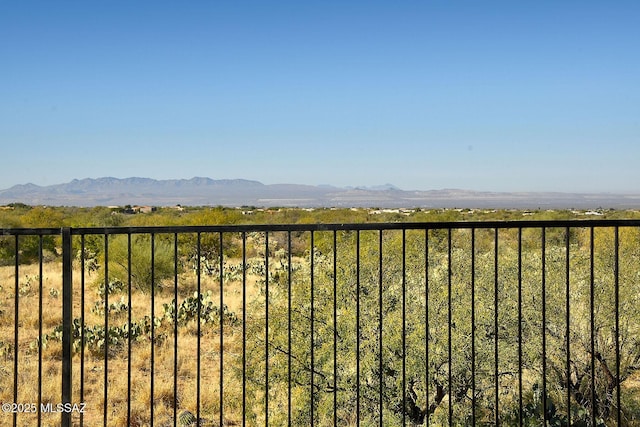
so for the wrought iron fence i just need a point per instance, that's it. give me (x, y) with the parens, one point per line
(465, 323)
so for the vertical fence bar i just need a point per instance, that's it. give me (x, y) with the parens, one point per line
(153, 329)
(616, 268)
(495, 328)
(312, 302)
(106, 330)
(16, 302)
(289, 302)
(335, 328)
(473, 326)
(221, 332)
(266, 329)
(449, 329)
(404, 327)
(198, 320)
(244, 328)
(39, 329)
(175, 327)
(426, 325)
(520, 403)
(82, 308)
(129, 325)
(568, 319)
(544, 324)
(358, 327)
(592, 324)
(380, 324)
(312, 329)
(67, 319)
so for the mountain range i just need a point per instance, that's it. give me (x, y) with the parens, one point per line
(200, 191)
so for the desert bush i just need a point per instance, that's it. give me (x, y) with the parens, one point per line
(144, 275)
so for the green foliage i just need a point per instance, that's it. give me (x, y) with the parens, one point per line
(20, 215)
(114, 307)
(7, 251)
(443, 291)
(26, 286)
(199, 303)
(95, 336)
(399, 296)
(533, 411)
(44, 217)
(186, 419)
(98, 216)
(114, 286)
(143, 277)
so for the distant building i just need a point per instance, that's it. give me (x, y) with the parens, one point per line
(138, 209)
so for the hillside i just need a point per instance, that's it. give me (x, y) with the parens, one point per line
(201, 191)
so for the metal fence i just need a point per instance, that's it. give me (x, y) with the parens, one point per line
(465, 323)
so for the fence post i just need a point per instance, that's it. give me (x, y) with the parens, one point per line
(67, 319)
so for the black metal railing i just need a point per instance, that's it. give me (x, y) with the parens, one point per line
(465, 323)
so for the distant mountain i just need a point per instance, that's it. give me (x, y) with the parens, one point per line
(200, 191)
(376, 187)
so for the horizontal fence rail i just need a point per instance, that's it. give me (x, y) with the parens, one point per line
(457, 323)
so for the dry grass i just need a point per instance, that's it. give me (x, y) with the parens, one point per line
(168, 391)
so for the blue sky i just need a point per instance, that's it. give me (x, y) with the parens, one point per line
(492, 95)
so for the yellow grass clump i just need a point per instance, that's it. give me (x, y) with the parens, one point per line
(129, 370)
